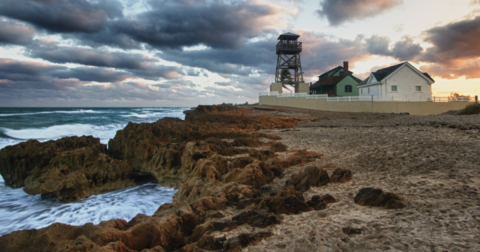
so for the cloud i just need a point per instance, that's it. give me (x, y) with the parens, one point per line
(63, 15)
(33, 75)
(402, 50)
(321, 53)
(137, 65)
(469, 69)
(340, 11)
(253, 56)
(15, 33)
(170, 24)
(454, 42)
(455, 51)
(92, 57)
(217, 24)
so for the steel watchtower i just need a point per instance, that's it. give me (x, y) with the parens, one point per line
(288, 58)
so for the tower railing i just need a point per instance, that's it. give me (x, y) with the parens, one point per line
(294, 45)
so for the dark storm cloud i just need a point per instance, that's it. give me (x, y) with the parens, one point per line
(20, 74)
(340, 11)
(92, 57)
(15, 33)
(454, 41)
(402, 50)
(455, 51)
(137, 65)
(175, 24)
(63, 15)
(241, 61)
(90, 74)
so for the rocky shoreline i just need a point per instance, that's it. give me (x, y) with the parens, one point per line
(220, 163)
(257, 179)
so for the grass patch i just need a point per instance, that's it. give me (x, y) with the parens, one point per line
(471, 109)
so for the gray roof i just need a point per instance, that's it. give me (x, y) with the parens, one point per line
(428, 76)
(288, 35)
(381, 74)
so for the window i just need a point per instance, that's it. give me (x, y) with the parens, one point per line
(361, 91)
(394, 88)
(369, 90)
(348, 88)
(418, 88)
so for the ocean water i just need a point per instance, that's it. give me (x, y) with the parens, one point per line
(19, 210)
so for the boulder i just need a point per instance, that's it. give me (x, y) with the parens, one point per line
(310, 176)
(287, 201)
(341, 175)
(318, 202)
(378, 198)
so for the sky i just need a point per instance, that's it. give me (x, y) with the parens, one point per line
(179, 53)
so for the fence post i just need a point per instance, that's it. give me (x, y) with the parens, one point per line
(476, 98)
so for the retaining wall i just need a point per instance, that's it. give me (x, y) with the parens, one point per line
(414, 108)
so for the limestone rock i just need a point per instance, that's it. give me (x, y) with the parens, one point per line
(241, 241)
(310, 176)
(257, 218)
(341, 175)
(79, 173)
(318, 202)
(18, 161)
(287, 201)
(278, 147)
(378, 198)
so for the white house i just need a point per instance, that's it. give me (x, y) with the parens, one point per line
(402, 81)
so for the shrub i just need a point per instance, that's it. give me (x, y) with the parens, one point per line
(471, 109)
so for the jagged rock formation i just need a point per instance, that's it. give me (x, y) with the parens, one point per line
(218, 161)
(69, 169)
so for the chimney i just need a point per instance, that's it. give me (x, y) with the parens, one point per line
(345, 68)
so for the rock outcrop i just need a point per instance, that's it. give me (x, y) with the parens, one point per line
(18, 161)
(70, 168)
(216, 158)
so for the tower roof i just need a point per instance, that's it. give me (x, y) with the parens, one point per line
(288, 36)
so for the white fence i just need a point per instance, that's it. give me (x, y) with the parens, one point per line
(370, 98)
(292, 95)
(268, 93)
(317, 96)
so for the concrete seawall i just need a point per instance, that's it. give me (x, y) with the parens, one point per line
(414, 108)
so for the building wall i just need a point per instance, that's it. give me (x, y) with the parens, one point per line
(406, 79)
(347, 81)
(375, 90)
(414, 108)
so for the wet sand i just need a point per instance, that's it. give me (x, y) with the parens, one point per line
(432, 161)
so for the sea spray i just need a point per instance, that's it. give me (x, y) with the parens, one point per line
(19, 210)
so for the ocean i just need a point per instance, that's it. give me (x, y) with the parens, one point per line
(19, 210)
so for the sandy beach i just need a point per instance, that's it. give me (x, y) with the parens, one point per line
(432, 161)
